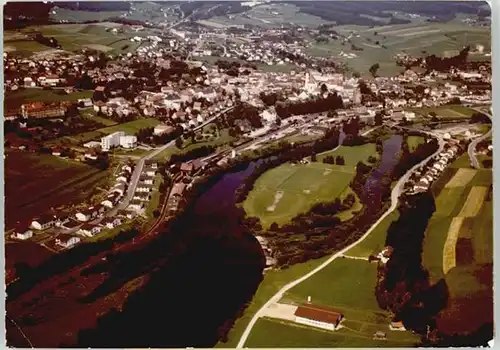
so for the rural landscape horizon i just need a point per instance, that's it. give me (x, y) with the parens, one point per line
(248, 174)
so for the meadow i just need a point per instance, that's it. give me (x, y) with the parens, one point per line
(35, 183)
(352, 154)
(350, 292)
(290, 189)
(130, 128)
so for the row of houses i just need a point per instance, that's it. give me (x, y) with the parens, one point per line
(435, 169)
(145, 186)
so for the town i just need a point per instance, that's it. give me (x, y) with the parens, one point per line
(178, 125)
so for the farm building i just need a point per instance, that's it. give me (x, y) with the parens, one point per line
(318, 316)
(22, 234)
(44, 222)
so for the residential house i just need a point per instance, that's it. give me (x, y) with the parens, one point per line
(151, 164)
(178, 189)
(119, 188)
(141, 196)
(22, 234)
(136, 204)
(397, 326)
(144, 188)
(61, 221)
(43, 222)
(128, 168)
(67, 241)
(89, 230)
(146, 180)
(111, 223)
(121, 179)
(87, 215)
(150, 172)
(161, 129)
(318, 316)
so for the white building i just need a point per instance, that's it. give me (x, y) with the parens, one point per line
(319, 317)
(23, 235)
(67, 241)
(118, 139)
(161, 129)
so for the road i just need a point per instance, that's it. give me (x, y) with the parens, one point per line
(396, 192)
(471, 150)
(134, 179)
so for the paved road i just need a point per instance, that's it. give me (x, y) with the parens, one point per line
(472, 146)
(396, 192)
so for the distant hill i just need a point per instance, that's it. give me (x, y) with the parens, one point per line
(95, 5)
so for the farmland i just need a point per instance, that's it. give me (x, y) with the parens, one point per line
(14, 99)
(458, 248)
(37, 183)
(132, 127)
(290, 189)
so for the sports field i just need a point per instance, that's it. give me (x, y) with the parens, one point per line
(290, 189)
(132, 127)
(352, 154)
(458, 248)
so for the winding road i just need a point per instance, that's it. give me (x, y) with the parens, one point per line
(471, 150)
(396, 192)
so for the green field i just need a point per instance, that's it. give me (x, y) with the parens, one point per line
(14, 99)
(290, 189)
(273, 281)
(468, 273)
(132, 127)
(414, 142)
(352, 154)
(351, 292)
(447, 112)
(272, 333)
(221, 139)
(376, 240)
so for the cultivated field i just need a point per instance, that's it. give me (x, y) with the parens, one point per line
(458, 248)
(132, 127)
(290, 189)
(34, 184)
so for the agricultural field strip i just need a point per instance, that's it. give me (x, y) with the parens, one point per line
(474, 201)
(449, 249)
(461, 178)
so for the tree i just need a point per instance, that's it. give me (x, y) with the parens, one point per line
(313, 158)
(373, 69)
(178, 142)
(379, 117)
(156, 213)
(324, 88)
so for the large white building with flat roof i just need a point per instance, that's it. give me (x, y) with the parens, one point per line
(118, 139)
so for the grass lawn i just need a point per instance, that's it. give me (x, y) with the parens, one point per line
(447, 111)
(273, 333)
(349, 213)
(290, 189)
(414, 142)
(91, 114)
(14, 99)
(352, 154)
(273, 281)
(155, 197)
(376, 240)
(86, 137)
(130, 128)
(461, 162)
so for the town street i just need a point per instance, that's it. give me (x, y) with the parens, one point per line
(396, 192)
(471, 150)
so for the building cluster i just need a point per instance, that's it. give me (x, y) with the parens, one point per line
(429, 173)
(92, 220)
(145, 186)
